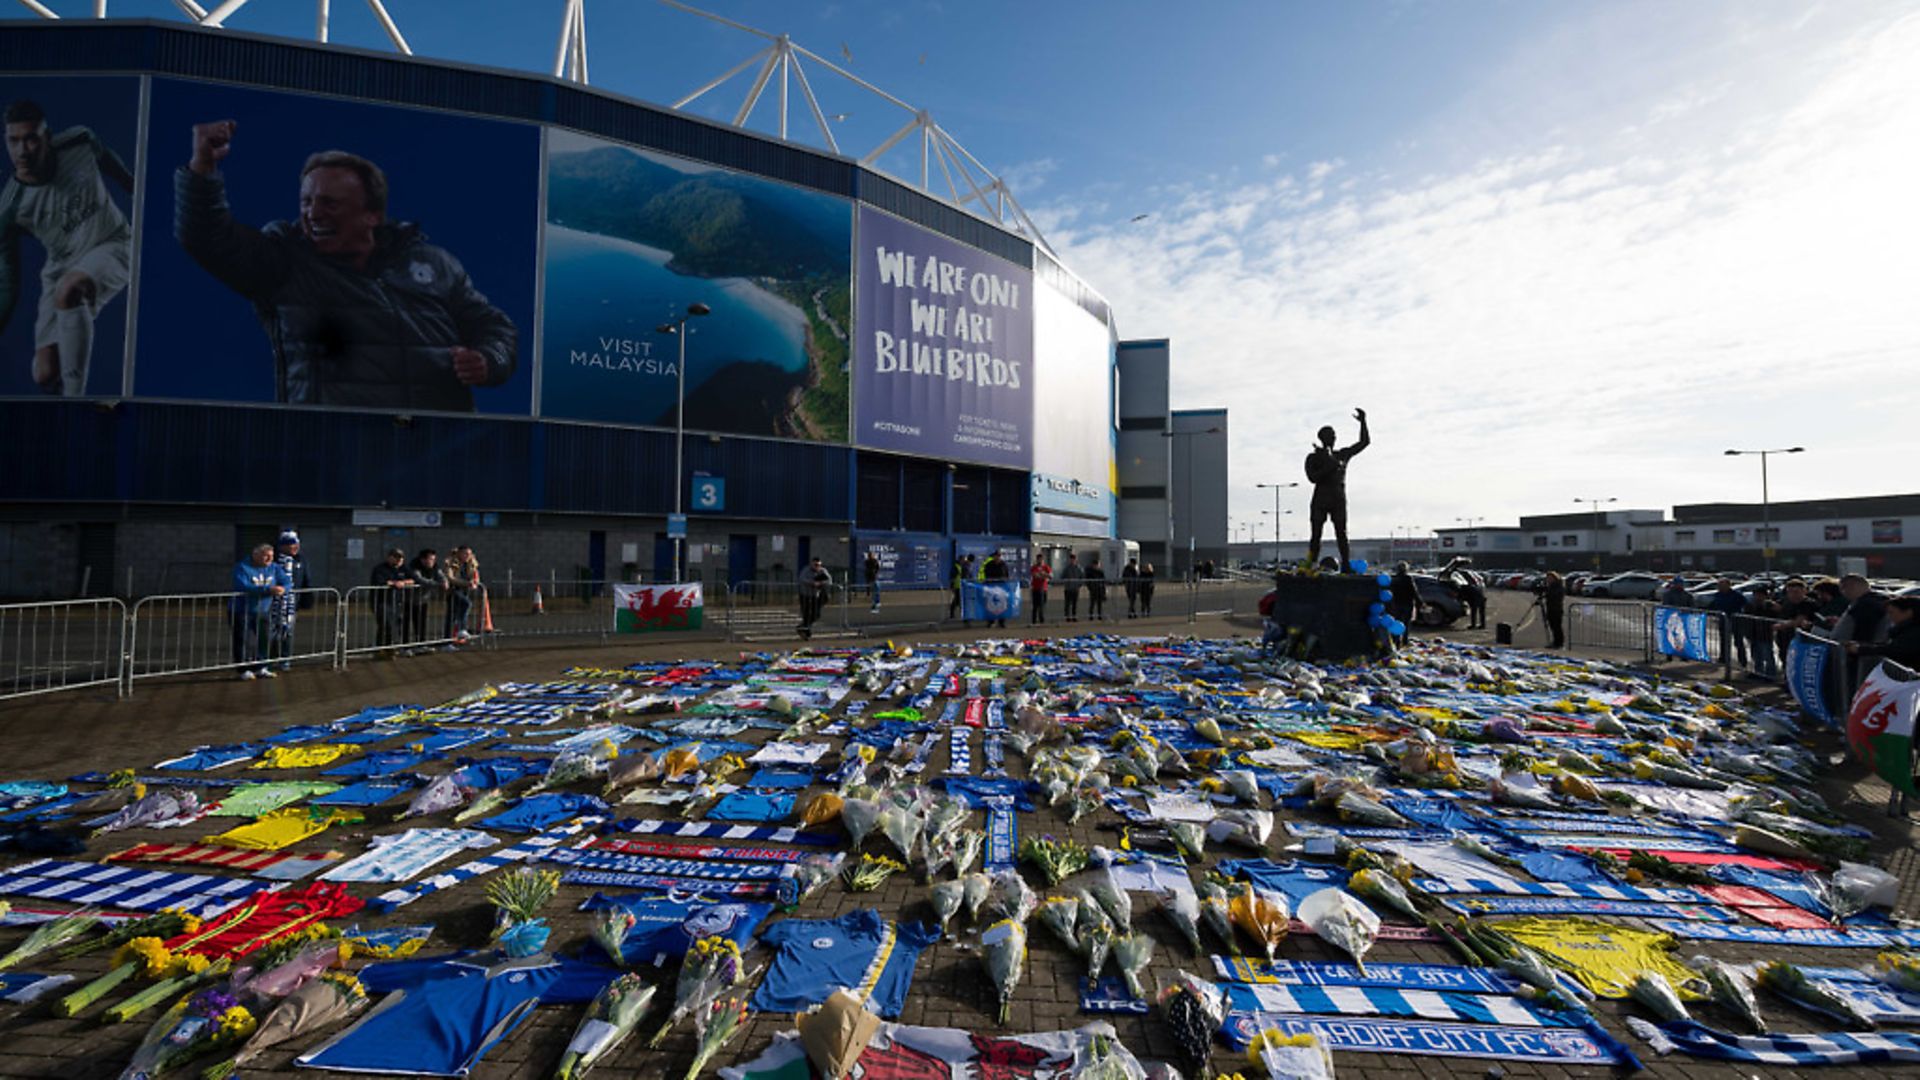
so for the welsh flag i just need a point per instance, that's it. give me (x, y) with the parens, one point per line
(643, 609)
(1880, 725)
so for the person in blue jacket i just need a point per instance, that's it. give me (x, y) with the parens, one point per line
(256, 582)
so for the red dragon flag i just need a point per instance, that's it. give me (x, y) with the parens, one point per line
(644, 609)
(1880, 724)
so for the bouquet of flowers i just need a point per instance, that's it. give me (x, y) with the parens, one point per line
(1057, 859)
(1190, 837)
(1010, 896)
(611, 1017)
(148, 956)
(444, 793)
(947, 898)
(609, 928)
(483, 804)
(1793, 984)
(1262, 914)
(1731, 990)
(902, 828)
(519, 893)
(1355, 807)
(63, 932)
(1132, 953)
(1290, 1057)
(166, 804)
(1004, 946)
(1342, 921)
(280, 969)
(1898, 969)
(317, 1004)
(717, 1025)
(711, 965)
(859, 816)
(867, 874)
(977, 885)
(1652, 990)
(1060, 914)
(1183, 911)
(573, 766)
(632, 769)
(1473, 845)
(1086, 800)
(1380, 889)
(1096, 942)
(1209, 729)
(680, 761)
(1215, 913)
(207, 1021)
(966, 850)
(798, 880)
(1114, 899)
(1192, 1028)
(940, 850)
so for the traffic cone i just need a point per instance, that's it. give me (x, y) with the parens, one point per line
(539, 605)
(486, 613)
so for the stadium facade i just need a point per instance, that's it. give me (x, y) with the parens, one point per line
(880, 371)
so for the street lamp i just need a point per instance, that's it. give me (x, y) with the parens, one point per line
(1188, 489)
(678, 328)
(1766, 506)
(1596, 504)
(1277, 515)
(1277, 488)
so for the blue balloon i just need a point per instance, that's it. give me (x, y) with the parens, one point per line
(1376, 621)
(1399, 628)
(1359, 566)
(1376, 607)
(1383, 580)
(1386, 597)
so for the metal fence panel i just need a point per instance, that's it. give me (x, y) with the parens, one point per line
(61, 645)
(377, 619)
(1610, 624)
(187, 634)
(764, 609)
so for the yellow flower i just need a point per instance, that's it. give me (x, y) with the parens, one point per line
(148, 952)
(194, 963)
(237, 1023)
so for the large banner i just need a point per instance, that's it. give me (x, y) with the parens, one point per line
(634, 237)
(943, 361)
(641, 609)
(906, 563)
(312, 251)
(67, 233)
(1880, 724)
(1682, 633)
(1808, 659)
(1073, 469)
(990, 600)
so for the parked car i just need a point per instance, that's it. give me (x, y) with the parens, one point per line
(1632, 585)
(1440, 603)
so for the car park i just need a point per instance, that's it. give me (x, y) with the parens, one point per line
(1632, 585)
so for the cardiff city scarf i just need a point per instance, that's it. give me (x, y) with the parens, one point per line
(608, 879)
(1118, 804)
(1556, 905)
(1588, 1045)
(486, 864)
(959, 754)
(699, 851)
(1513, 887)
(720, 830)
(1451, 1005)
(1000, 834)
(127, 887)
(996, 755)
(1827, 1048)
(1768, 935)
(615, 862)
(1242, 969)
(921, 755)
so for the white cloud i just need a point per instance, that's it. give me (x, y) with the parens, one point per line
(1595, 313)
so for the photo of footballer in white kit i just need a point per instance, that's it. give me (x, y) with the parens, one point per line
(66, 237)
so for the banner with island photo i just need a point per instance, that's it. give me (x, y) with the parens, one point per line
(944, 361)
(633, 237)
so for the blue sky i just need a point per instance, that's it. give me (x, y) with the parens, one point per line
(1557, 250)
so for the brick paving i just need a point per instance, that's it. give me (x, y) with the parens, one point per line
(72, 733)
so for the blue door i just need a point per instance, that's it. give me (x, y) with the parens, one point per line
(662, 557)
(597, 556)
(805, 553)
(743, 558)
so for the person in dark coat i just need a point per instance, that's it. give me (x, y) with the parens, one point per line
(1144, 585)
(1902, 645)
(1130, 581)
(1096, 591)
(1553, 605)
(1729, 603)
(1405, 605)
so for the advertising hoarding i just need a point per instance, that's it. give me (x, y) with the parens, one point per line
(1073, 471)
(312, 251)
(943, 354)
(67, 233)
(634, 237)
(906, 562)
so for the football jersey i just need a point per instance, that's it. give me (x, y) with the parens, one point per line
(859, 950)
(71, 213)
(441, 1015)
(665, 926)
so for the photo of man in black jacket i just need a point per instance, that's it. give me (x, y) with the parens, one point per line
(360, 311)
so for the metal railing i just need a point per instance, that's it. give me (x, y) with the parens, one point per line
(61, 645)
(199, 632)
(380, 619)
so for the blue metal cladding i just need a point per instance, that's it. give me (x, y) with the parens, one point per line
(58, 450)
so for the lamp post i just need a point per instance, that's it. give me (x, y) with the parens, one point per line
(678, 328)
(1766, 504)
(1470, 523)
(1277, 488)
(1277, 515)
(1596, 504)
(1187, 491)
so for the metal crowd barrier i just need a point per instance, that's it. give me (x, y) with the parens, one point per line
(1610, 624)
(61, 645)
(382, 620)
(759, 609)
(198, 632)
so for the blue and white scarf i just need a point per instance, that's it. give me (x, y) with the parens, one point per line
(959, 753)
(1573, 905)
(1587, 1045)
(1828, 1048)
(1813, 937)
(996, 755)
(622, 863)
(526, 849)
(1514, 887)
(1000, 833)
(720, 830)
(607, 879)
(921, 755)
(134, 888)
